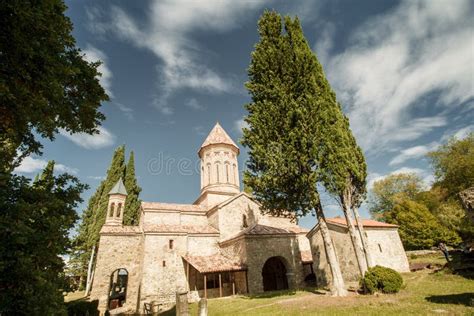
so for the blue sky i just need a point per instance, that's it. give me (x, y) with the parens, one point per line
(404, 72)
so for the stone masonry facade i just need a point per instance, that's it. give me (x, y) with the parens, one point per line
(220, 245)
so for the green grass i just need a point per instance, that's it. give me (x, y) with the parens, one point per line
(424, 293)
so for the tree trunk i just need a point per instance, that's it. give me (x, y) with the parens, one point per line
(337, 286)
(89, 273)
(356, 243)
(363, 237)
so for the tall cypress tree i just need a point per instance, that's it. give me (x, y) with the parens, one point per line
(343, 171)
(114, 173)
(131, 215)
(286, 85)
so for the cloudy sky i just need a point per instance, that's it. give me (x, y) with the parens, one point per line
(404, 72)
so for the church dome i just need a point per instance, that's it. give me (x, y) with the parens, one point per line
(218, 136)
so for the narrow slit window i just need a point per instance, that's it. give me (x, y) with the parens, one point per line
(171, 244)
(164, 263)
(380, 248)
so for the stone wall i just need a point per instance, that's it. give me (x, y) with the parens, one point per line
(115, 252)
(386, 249)
(162, 218)
(261, 248)
(163, 268)
(384, 245)
(202, 245)
(231, 216)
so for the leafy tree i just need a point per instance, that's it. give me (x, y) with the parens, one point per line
(453, 165)
(284, 125)
(34, 229)
(385, 192)
(419, 228)
(131, 215)
(45, 83)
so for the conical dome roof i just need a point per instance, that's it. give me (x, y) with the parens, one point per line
(119, 188)
(218, 136)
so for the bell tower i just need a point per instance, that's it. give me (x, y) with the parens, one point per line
(219, 167)
(117, 197)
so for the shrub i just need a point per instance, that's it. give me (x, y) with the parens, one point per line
(82, 308)
(382, 279)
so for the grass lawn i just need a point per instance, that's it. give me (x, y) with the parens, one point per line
(424, 293)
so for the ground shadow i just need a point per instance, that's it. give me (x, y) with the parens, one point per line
(466, 299)
(169, 312)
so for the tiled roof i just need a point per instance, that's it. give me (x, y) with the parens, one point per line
(190, 229)
(365, 222)
(214, 263)
(172, 207)
(117, 229)
(119, 188)
(306, 256)
(218, 136)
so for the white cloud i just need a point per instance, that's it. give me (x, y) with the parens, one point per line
(194, 104)
(93, 54)
(239, 125)
(103, 139)
(166, 32)
(397, 58)
(458, 134)
(413, 153)
(32, 165)
(426, 177)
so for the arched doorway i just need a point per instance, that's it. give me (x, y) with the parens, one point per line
(118, 288)
(274, 275)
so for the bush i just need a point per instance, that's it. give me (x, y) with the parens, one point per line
(82, 308)
(382, 279)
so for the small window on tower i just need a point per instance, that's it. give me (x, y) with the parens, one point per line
(164, 263)
(119, 209)
(111, 212)
(171, 244)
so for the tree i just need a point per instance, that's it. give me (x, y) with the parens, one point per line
(45, 83)
(453, 165)
(385, 192)
(131, 214)
(93, 218)
(34, 229)
(282, 137)
(344, 172)
(419, 228)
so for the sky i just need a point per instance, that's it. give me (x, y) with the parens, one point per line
(403, 71)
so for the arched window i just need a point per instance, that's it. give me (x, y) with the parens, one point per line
(217, 172)
(227, 172)
(234, 171)
(118, 288)
(111, 209)
(244, 221)
(208, 173)
(119, 209)
(202, 176)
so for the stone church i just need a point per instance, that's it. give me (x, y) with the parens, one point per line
(220, 245)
